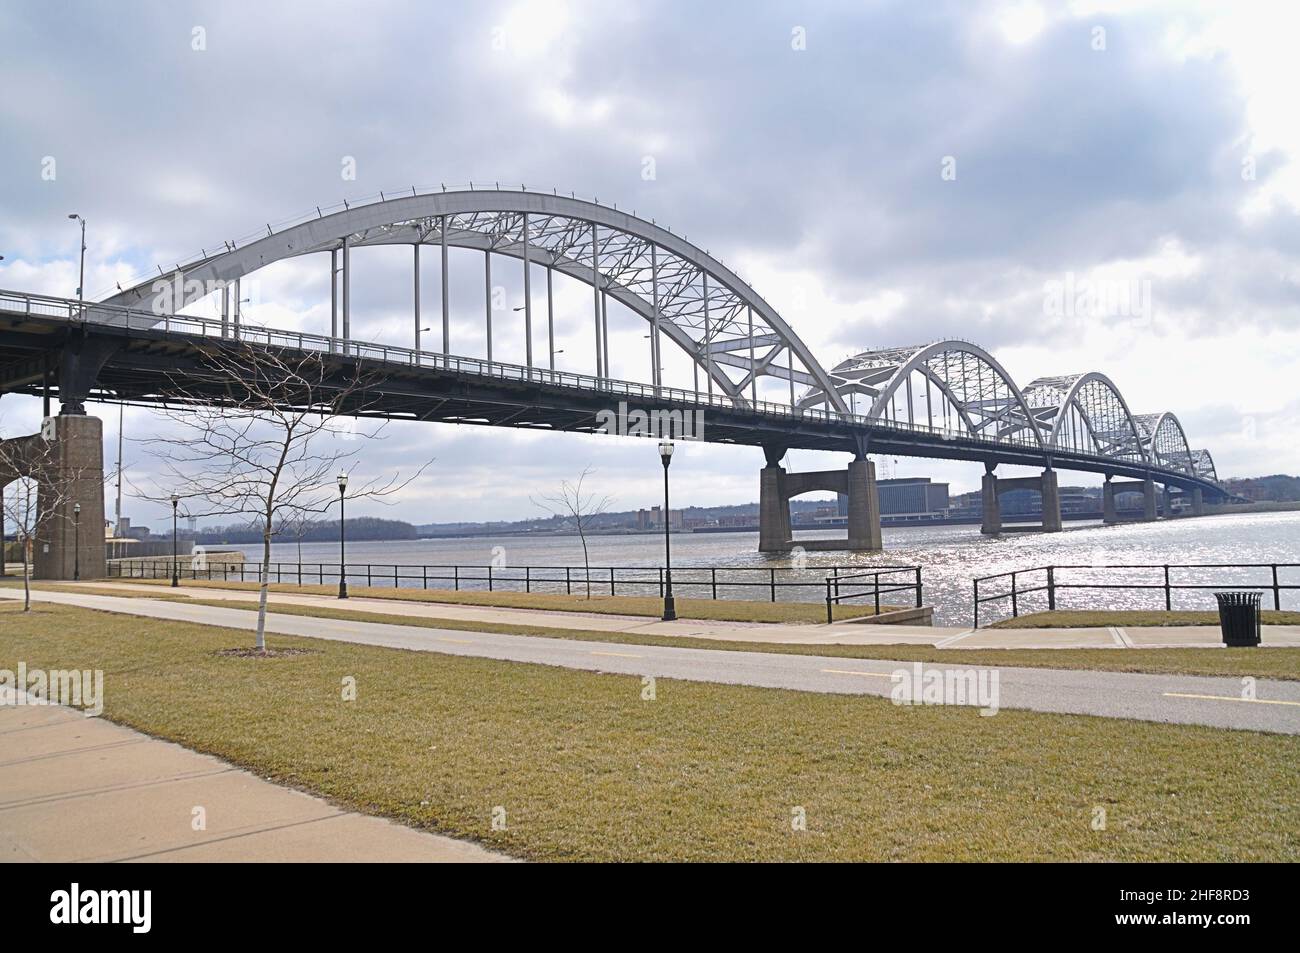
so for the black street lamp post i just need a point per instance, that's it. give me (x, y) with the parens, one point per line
(76, 542)
(670, 607)
(176, 565)
(343, 559)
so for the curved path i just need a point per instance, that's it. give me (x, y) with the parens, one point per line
(1194, 700)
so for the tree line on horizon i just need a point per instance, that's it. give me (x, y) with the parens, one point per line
(359, 528)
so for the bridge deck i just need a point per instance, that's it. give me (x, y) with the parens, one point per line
(150, 356)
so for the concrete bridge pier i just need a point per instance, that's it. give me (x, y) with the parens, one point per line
(1108, 513)
(774, 533)
(1167, 501)
(777, 488)
(991, 508)
(1051, 493)
(992, 488)
(1198, 502)
(1112, 489)
(70, 471)
(864, 507)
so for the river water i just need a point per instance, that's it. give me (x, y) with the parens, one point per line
(950, 557)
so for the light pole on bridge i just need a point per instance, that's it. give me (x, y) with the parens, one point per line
(81, 277)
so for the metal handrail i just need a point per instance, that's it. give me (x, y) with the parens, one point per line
(710, 579)
(1052, 585)
(834, 581)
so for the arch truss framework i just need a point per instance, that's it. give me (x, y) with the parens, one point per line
(946, 386)
(954, 385)
(728, 331)
(1086, 413)
(730, 334)
(1165, 442)
(1203, 464)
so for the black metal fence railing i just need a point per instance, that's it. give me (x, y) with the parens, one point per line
(840, 588)
(771, 584)
(1043, 587)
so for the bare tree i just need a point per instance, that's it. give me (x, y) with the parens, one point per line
(19, 507)
(257, 434)
(571, 503)
(29, 500)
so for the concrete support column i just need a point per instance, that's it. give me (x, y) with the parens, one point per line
(992, 524)
(1198, 502)
(1148, 500)
(1051, 502)
(774, 531)
(1167, 501)
(75, 474)
(1108, 514)
(864, 507)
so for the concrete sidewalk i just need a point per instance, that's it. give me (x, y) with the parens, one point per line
(843, 633)
(74, 788)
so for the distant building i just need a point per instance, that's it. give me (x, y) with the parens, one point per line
(653, 519)
(1074, 500)
(906, 496)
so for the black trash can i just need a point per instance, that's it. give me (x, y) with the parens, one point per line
(1239, 617)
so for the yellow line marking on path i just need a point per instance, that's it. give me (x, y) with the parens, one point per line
(842, 671)
(458, 641)
(619, 654)
(1230, 698)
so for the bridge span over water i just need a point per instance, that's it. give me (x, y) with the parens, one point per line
(732, 358)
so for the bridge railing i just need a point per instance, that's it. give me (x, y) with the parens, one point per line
(133, 318)
(1136, 587)
(770, 584)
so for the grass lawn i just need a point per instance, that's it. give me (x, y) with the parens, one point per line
(1089, 618)
(587, 770)
(720, 610)
(1282, 663)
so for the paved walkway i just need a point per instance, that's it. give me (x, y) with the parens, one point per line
(74, 788)
(1166, 698)
(843, 633)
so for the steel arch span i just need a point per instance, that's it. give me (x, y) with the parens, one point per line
(1203, 464)
(1086, 412)
(948, 398)
(727, 330)
(1166, 443)
(960, 385)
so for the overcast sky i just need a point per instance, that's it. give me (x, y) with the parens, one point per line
(883, 174)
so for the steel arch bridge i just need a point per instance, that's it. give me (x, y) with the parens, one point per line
(736, 358)
(957, 383)
(732, 337)
(727, 330)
